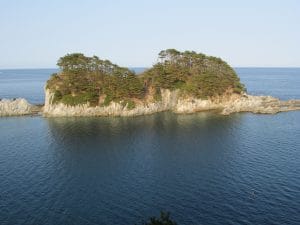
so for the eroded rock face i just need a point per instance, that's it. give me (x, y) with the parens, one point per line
(237, 103)
(168, 101)
(15, 107)
(171, 100)
(260, 104)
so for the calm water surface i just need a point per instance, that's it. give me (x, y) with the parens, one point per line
(203, 168)
(27, 84)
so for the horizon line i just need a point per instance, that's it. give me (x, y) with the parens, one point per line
(45, 68)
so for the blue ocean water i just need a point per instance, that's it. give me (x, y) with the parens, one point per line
(202, 168)
(283, 83)
(24, 83)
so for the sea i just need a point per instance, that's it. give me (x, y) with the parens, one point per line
(202, 168)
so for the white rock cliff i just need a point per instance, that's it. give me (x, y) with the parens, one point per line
(172, 101)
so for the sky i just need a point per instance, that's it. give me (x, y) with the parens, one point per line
(261, 33)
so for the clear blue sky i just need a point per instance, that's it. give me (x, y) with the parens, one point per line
(34, 34)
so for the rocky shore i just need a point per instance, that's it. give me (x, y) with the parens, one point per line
(172, 101)
(17, 107)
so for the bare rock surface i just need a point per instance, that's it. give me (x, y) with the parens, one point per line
(172, 101)
(16, 107)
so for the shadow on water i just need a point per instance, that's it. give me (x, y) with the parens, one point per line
(166, 131)
(152, 145)
(160, 123)
(149, 155)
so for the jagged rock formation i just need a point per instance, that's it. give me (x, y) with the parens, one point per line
(168, 101)
(238, 103)
(16, 107)
(173, 101)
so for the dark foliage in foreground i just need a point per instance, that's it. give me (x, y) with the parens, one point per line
(164, 219)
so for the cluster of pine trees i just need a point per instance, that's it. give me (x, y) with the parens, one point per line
(195, 74)
(85, 79)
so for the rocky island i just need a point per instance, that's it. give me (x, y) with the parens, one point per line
(181, 82)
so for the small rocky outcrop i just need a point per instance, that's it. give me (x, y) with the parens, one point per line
(173, 101)
(16, 107)
(261, 104)
(234, 103)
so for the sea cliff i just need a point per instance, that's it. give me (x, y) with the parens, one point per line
(173, 101)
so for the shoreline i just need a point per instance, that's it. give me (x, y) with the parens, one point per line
(224, 105)
(174, 102)
(211, 111)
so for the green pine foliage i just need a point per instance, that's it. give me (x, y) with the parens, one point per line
(193, 73)
(85, 79)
